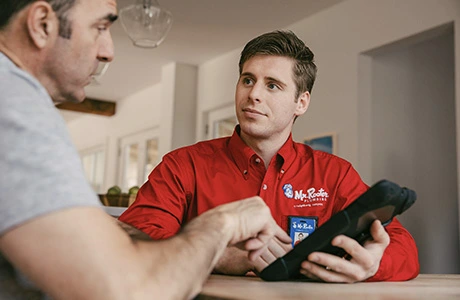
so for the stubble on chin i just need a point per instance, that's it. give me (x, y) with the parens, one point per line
(69, 97)
(252, 130)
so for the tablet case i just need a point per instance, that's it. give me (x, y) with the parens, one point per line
(382, 201)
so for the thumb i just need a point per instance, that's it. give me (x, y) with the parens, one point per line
(379, 234)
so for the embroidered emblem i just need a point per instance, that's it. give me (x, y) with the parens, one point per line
(311, 197)
(288, 191)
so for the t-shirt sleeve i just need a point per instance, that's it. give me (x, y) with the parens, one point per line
(41, 171)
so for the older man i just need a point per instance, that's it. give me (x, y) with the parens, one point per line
(51, 226)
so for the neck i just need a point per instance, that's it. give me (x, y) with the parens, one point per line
(9, 52)
(265, 148)
(15, 44)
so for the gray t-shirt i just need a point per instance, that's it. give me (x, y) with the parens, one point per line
(40, 170)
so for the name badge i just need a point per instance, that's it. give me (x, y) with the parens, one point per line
(301, 227)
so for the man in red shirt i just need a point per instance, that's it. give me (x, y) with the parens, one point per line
(303, 187)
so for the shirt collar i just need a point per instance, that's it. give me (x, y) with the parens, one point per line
(12, 57)
(242, 153)
(287, 153)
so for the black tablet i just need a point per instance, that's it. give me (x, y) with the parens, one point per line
(382, 201)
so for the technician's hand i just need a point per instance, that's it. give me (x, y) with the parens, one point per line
(277, 247)
(364, 262)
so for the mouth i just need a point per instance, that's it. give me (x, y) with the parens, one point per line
(251, 111)
(99, 71)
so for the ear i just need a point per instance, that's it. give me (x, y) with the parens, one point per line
(42, 23)
(302, 103)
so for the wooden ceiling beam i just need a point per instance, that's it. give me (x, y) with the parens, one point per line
(91, 106)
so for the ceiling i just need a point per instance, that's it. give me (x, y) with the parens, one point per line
(201, 30)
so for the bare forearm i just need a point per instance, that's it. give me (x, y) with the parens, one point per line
(133, 232)
(234, 261)
(181, 266)
(89, 257)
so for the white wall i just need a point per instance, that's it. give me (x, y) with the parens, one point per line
(185, 103)
(216, 86)
(338, 36)
(134, 114)
(412, 109)
(177, 110)
(168, 107)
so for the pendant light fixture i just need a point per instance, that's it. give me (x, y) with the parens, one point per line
(146, 23)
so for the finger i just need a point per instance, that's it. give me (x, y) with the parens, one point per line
(365, 261)
(253, 255)
(254, 220)
(304, 270)
(282, 235)
(328, 260)
(275, 246)
(351, 246)
(253, 244)
(310, 275)
(348, 269)
(270, 252)
(259, 264)
(261, 239)
(318, 272)
(278, 248)
(268, 256)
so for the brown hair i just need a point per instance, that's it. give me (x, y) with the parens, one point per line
(284, 43)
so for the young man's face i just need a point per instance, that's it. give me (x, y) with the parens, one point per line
(265, 98)
(72, 61)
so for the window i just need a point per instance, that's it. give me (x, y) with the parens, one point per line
(138, 157)
(94, 164)
(221, 122)
(151, 159)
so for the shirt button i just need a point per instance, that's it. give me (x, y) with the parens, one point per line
(264, 187)
(245, 172)
(257, 160)
(282, 171)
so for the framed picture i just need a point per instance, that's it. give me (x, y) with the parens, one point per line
(324, 142)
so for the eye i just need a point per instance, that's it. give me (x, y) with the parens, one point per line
(273, 86)
(246, 81)
(102, 28)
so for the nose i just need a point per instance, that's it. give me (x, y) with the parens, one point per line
(106, 49)
(255, 93)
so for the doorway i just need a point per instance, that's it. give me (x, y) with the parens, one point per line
(407, 134)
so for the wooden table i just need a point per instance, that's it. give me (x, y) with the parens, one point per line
(425, 286)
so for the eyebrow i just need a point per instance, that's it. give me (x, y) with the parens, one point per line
(110, 17)
(276, 80)
(249, 74)
(246, 74)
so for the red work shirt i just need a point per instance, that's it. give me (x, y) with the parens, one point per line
(299, 181)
